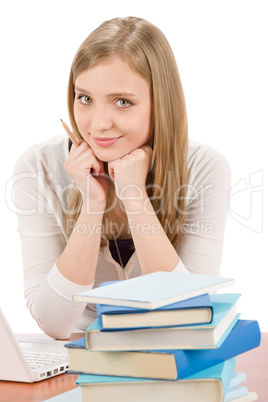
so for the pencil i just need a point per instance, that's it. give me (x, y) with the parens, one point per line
(68, 131)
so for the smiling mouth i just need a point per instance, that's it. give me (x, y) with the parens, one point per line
(105, 142)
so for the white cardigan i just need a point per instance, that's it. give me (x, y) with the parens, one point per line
(41, 194)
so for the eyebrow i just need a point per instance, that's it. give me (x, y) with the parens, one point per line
(112, 94)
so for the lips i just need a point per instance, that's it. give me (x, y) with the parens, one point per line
(105, 142)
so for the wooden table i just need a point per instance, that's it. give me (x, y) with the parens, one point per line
(254, 363)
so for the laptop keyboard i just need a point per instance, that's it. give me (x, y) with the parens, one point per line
(38, 359)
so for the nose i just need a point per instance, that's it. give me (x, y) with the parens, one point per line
(101, 119)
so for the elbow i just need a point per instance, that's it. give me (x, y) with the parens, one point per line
(54, 328)
(55, 315)
(51, 326)
(56, 323)
(56, 333)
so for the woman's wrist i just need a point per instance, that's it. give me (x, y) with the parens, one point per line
(91, 208)
(135, 203)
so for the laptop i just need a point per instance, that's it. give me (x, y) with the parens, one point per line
(31, 360)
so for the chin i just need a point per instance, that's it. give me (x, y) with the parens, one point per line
(106, 160)
(108, 155)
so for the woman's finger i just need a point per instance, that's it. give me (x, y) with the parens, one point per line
(73, 147)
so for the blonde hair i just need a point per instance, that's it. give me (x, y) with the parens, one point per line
(145, 48)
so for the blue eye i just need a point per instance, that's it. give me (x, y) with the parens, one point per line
(123, 103)
(85, 100)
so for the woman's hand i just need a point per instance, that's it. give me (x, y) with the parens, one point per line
(130, 172)
(88, 174)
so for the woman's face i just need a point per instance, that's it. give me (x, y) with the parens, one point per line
(112, 109)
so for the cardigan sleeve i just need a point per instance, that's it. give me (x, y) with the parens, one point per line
(207, 207)
(47, 292)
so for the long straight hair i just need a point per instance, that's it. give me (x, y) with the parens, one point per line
(146, 50)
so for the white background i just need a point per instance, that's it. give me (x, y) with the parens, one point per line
(221, 51)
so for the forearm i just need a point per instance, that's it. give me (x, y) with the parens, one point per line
(154, 249)
(79, 259)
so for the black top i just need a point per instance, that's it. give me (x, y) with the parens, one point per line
(70, 144)
(126, 248)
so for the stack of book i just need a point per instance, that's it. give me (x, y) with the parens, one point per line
(163, 336)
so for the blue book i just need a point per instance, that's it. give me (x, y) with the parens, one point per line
(235, 389)
(154, 290)
(196, 310)
(75, 395)
(237, 379)
(235, 393)
(209, 385)
(164, 364)
(179, 337)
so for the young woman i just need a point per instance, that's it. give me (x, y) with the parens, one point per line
(132, 196)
